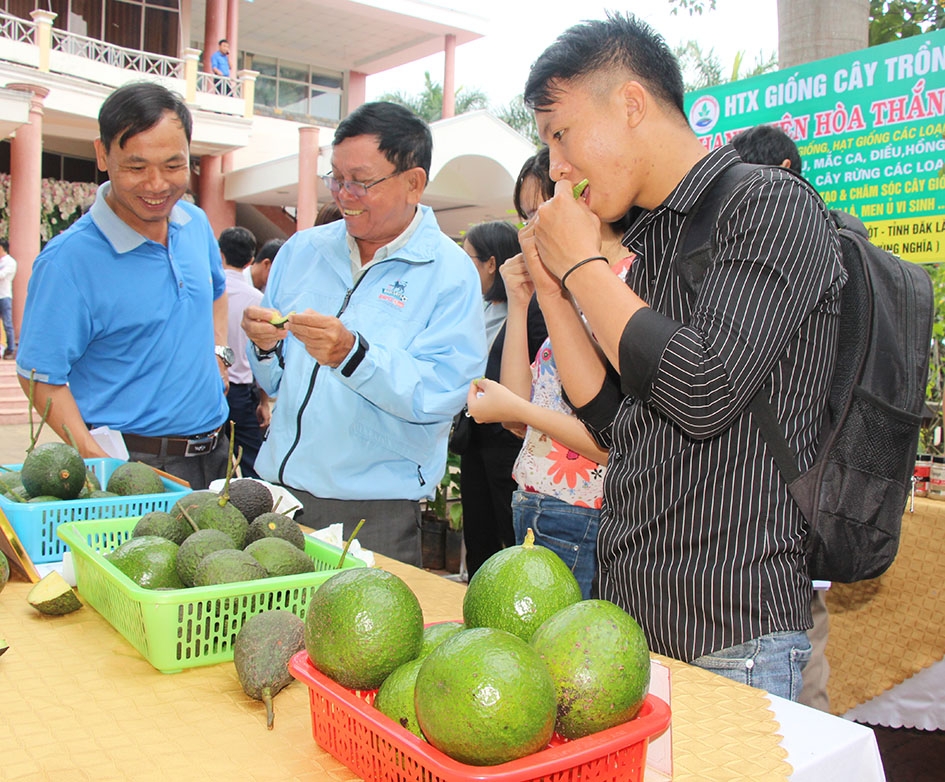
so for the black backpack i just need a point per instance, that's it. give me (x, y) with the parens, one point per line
(854, 494)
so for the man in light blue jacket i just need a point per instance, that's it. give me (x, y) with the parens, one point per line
(384, 334)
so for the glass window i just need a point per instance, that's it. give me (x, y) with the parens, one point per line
(293, 70)
(293, 97)
(326, 105)
(265, 65)
(265, 94)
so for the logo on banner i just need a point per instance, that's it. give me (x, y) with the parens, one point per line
(703, 114)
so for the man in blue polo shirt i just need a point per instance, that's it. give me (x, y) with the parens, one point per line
(220, 61)
(125, 318)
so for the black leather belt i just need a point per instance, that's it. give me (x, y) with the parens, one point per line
(195, 445)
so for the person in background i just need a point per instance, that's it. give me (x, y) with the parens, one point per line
(560, 468)
(328, 213)
(771, 146)
(220, 60)
(486, 481)
(126, 314)
(384, 333)
(699, 539)
(249, 406)
(258, 272)
(7, 273)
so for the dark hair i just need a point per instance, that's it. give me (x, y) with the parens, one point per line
(620, 42)
(269, 250)
(222, 40)
(5, 245)
(497, 239)
(138, 107)
(238, 246)
(328, 214)
(537, 166)
(402, 137)
(767, 144)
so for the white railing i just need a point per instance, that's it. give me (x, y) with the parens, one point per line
(12, 28)
(218, 85)
(117, 56)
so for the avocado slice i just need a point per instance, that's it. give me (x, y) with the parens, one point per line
(579, 188)
(279, 320)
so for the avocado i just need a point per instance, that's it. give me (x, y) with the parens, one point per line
(44, 498)
(53, 596)
(251, 497)
(4, 570)
(53, 469)
(195, 548)
(163, 524)
(279, 557)
(227, 566)
(9, 480)
(261, 654)
(205, 510)
(150, 561)
(134, 478)
(3, 645)
(276, 525)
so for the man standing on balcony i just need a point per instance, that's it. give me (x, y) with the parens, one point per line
(384, 333)
(7, 273)
(220, 61)
(125, 322)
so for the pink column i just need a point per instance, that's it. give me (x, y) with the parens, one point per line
(26, 157)
(357, 89)
(307, 203)
(233, 33)
(449, 77)
(222, 214)
(213, 30)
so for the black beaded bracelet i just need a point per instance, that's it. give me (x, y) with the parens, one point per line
(577, 266)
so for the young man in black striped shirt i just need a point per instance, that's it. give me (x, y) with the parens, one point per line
(699, 538)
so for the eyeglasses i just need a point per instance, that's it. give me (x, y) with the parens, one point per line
(356, 189)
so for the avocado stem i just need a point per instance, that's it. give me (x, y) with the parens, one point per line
(186, 515)
(267, 699)
(351, 537)
(529, 541)
(230, 467)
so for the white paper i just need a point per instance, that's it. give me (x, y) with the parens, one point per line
(110, 441)
(334, 536)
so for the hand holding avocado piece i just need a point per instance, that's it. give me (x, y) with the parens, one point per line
(279, 320)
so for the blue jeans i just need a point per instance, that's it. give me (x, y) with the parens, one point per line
(772, 662)
(570, 531)
(6, 316)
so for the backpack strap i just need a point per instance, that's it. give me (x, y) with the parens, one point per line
(696, 251)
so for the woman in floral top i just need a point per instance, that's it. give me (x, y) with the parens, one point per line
(560, 468)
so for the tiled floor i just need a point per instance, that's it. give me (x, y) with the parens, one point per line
(912, 755)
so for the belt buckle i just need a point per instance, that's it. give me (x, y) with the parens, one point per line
(198, 446)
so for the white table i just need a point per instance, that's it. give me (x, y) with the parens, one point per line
(824, 748)
(918, 702)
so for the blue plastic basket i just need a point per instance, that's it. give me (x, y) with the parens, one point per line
(35, 523)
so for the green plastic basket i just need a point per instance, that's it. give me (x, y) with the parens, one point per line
(176, 629)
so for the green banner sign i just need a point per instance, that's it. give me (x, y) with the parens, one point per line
(870, 127)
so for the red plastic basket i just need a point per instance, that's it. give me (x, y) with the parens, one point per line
(377, 749)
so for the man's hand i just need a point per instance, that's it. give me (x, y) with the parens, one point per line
(263, 414)
(325, 337)
(257, 323)
(564, 231)
(224, 375)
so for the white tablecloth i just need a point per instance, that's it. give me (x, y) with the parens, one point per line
(919, 702)
(824, 748)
